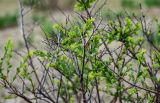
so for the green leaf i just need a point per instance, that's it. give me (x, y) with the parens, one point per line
(139, 74)
(132, 91)
(83, 4)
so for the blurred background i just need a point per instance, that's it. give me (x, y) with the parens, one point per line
(57, 10)
(43, 14)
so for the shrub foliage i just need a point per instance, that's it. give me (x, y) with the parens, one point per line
(87, 60)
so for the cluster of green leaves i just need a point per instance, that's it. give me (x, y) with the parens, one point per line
(129, 33)
(125, 32)
(72, 42)
(81, 5)
(5, 61)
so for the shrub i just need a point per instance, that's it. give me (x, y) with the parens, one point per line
(81, 64)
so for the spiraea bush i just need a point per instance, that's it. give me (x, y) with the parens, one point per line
(88, 60)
